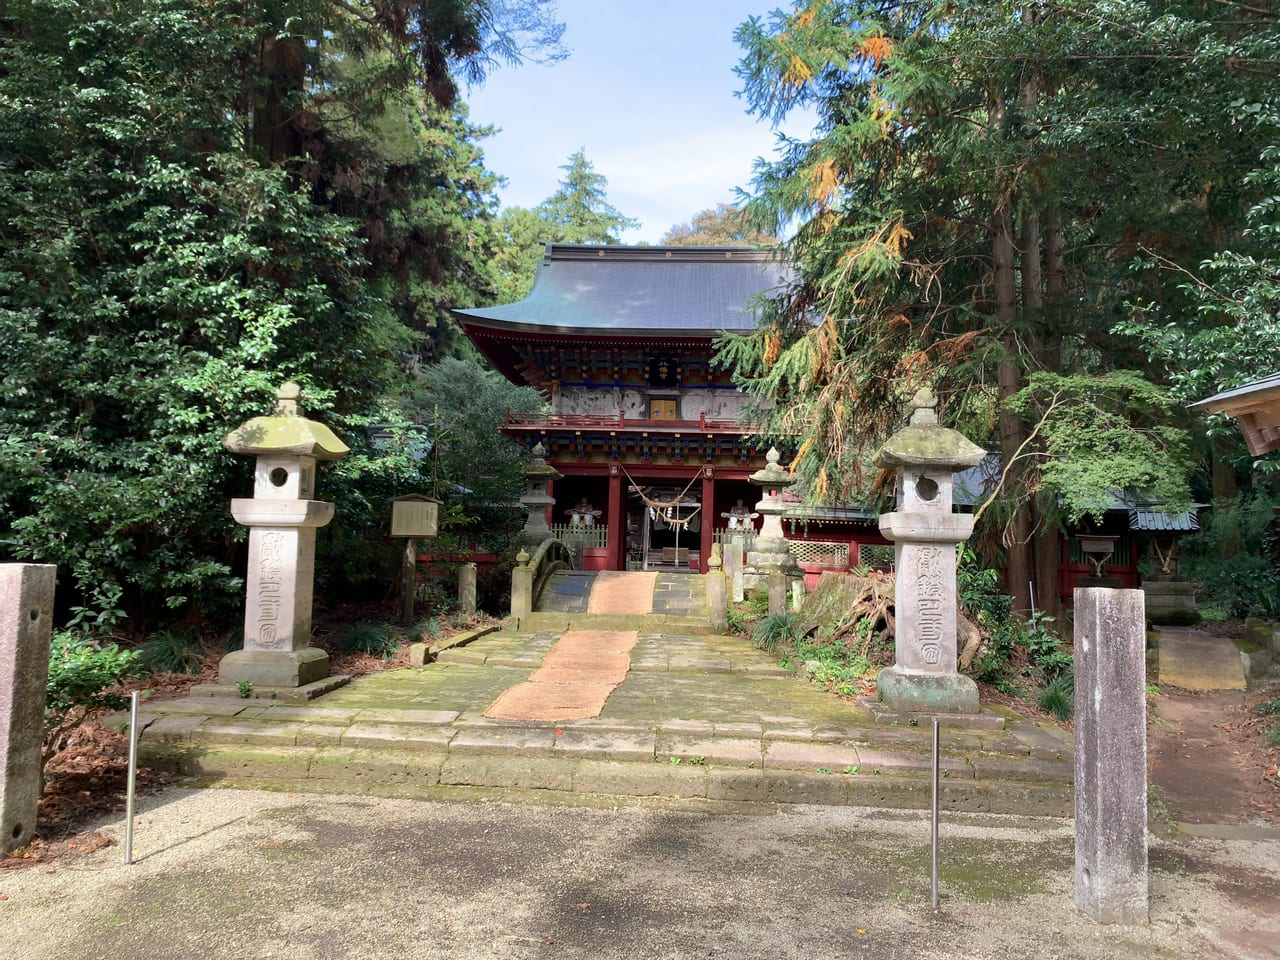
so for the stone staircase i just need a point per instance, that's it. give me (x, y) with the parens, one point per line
(698, 715)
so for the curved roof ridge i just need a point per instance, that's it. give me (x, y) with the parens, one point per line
(641, 291)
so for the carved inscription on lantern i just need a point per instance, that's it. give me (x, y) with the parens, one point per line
(932, 596)
(270, 583)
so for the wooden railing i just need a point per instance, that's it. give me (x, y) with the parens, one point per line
(576, 422)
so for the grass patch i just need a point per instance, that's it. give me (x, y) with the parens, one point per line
(375, 639)
(171, 651)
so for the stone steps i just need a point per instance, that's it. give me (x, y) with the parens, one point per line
(418, 766)
(699, 715)
(419, 752)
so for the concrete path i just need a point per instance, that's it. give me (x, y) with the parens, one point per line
(697, 715)
(1194, 660)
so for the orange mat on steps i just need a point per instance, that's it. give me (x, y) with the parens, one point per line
(622, 592)
(575, 679)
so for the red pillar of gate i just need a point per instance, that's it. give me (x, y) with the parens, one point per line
(617, 519)
(708, 517)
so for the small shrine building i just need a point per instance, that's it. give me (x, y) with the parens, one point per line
(643, 427)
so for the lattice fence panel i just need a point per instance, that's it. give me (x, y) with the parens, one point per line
(829, 553)
(580, 535)
(872, 555)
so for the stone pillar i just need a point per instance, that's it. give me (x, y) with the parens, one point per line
(26, 621)
(925, 532)
(467, 588)
(522, 587)
(717, 590)
(1111, 755)
(777, 591)
(733, 563)
(282, 520)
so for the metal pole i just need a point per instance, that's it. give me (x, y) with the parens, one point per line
(132, 777)
(933, 843)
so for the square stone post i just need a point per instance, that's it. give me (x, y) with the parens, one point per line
(26, 621)
(467, 588)
(733, 561)
(521, 587)
(1111, 755)
(717, 590)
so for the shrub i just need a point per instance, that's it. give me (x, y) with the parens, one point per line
(84, 677)
(1245, 581)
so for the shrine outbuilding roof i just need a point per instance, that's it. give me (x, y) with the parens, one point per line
(639, 292)
(1255, 407)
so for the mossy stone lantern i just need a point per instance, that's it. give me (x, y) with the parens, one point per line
(770, 559)
(282, 519)
(925, 532)
(538, 478)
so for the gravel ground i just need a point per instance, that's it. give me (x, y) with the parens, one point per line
(252, 874)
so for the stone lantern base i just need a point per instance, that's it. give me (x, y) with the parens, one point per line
(912, 692)
(274, 668)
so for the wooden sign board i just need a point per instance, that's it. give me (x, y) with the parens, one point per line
(414, 516)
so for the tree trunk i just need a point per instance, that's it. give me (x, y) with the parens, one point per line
(1017, 571)
(282, 72)
(1225, 490)
(1043, 342)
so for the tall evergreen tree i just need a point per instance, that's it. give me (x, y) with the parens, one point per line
(166, 260)
(578, 212)
(983, 177)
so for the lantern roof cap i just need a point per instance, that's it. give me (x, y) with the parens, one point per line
(285, 431)
(923, 442)
(772, 475)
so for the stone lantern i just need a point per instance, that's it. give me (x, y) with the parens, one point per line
(925, 533)
(771, 558)
(538, 477)
(282, 519)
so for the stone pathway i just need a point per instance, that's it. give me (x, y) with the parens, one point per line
(1194, 660)
(697, 715)
(575, 679)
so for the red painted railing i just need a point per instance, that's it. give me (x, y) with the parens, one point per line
(557, 422)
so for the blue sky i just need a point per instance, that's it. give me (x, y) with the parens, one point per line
(648, 92)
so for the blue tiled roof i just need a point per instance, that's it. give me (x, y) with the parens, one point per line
(655, 291)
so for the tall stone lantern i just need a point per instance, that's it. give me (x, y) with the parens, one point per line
(282, 519)
(538, 477)
(925, 533)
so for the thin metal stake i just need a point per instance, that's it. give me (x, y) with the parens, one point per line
(933, 843)
(132, 777)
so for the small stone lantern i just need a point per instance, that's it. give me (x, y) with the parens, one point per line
(282, 520)
(771, 557)
(538, 477)
(925, 533)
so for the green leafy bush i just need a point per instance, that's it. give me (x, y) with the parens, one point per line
(1246, 581)
(743, 616)
(84, 677)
